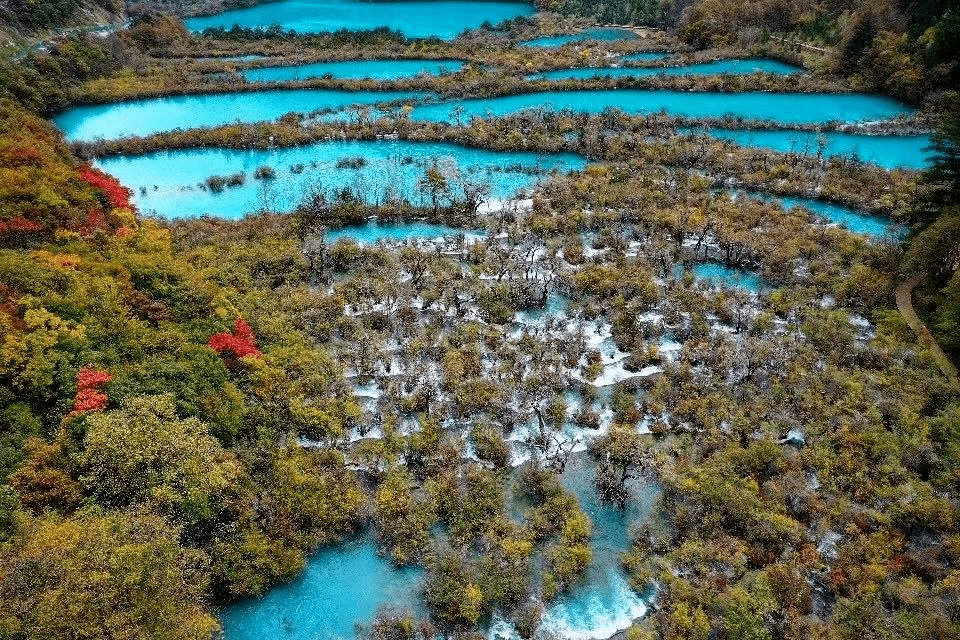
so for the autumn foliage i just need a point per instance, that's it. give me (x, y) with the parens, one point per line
(240, 343)
(41, 189)
(89, 398)
(117, 195)
(19, 224)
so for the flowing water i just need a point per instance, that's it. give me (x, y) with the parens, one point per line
(646, 56)
(345, 585)
(373, 232)
(341, 586)
(603, 602)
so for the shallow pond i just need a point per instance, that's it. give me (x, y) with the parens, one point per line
(716, 67)
(354, 70)
(167, 183)
(889, 152)
(153, 115)
(716, 274)
(441, 18)
(786, 108)
(341, 586)
(598, 34)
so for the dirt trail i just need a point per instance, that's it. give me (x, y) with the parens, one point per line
(904, 294)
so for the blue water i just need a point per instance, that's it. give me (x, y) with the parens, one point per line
(646, 56)
(153, 115)
(556, 305)
(354, 70)
(415, 19)
(603, 603)
(850, 219)
(374, 232)
(788, 108)
(889, 152)
(599, 34)
(717, 275)
(716, 67)
(393, 166)
(340, 586)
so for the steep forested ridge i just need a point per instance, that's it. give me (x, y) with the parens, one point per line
(110, 520)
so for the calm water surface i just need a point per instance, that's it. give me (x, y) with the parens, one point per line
(599, 34)
(786, 108)
(716, 67)
(716, 274)
(154, 115)
(441, 18)
(856, 221)
(354, 70)
(341, 586)
(889, 152)
(168, 184)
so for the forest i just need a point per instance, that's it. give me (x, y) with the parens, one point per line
(192, 407)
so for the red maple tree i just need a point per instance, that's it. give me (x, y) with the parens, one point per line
(117, 194)
(89, 398)
(240, 343)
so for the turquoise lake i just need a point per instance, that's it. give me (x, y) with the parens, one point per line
(889, 152)
(444, 19)
(787, 108)
(341, 586)
(716, 67)
(599, 34)
(153, 115)
(354, 70)
(392, 169)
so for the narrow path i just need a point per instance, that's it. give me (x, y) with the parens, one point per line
(904, 295)
(802, 45)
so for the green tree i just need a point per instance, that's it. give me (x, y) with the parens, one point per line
(144, 453)
(93, 577)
